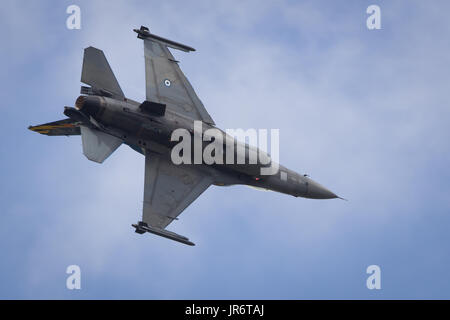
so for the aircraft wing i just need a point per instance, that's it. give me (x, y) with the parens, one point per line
(66, 127)
(169, 189)
(165, 82)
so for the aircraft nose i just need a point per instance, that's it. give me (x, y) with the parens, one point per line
(317, 191)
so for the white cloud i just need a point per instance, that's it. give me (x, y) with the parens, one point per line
(359, 113)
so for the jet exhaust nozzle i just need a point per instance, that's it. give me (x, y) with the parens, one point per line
(89, 105)
(80, 102)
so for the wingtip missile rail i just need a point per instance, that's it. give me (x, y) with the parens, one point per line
(144, 33)
(142, 227)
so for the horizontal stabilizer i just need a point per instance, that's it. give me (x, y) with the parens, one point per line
(98, 74)
(97, 145)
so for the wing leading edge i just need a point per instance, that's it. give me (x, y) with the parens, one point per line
(168, 190)
(165, 82)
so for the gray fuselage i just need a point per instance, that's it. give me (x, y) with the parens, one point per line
(147, 132)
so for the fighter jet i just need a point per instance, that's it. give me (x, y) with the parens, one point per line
(106, 119)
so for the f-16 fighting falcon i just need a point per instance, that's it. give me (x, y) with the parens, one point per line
(106, 119)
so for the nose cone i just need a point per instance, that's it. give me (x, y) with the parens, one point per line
(317, 191)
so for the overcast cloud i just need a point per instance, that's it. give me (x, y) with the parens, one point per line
(363, 112)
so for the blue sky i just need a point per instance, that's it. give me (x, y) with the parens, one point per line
(363, 112)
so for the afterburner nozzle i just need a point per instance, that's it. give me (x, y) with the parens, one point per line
(89, 105)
